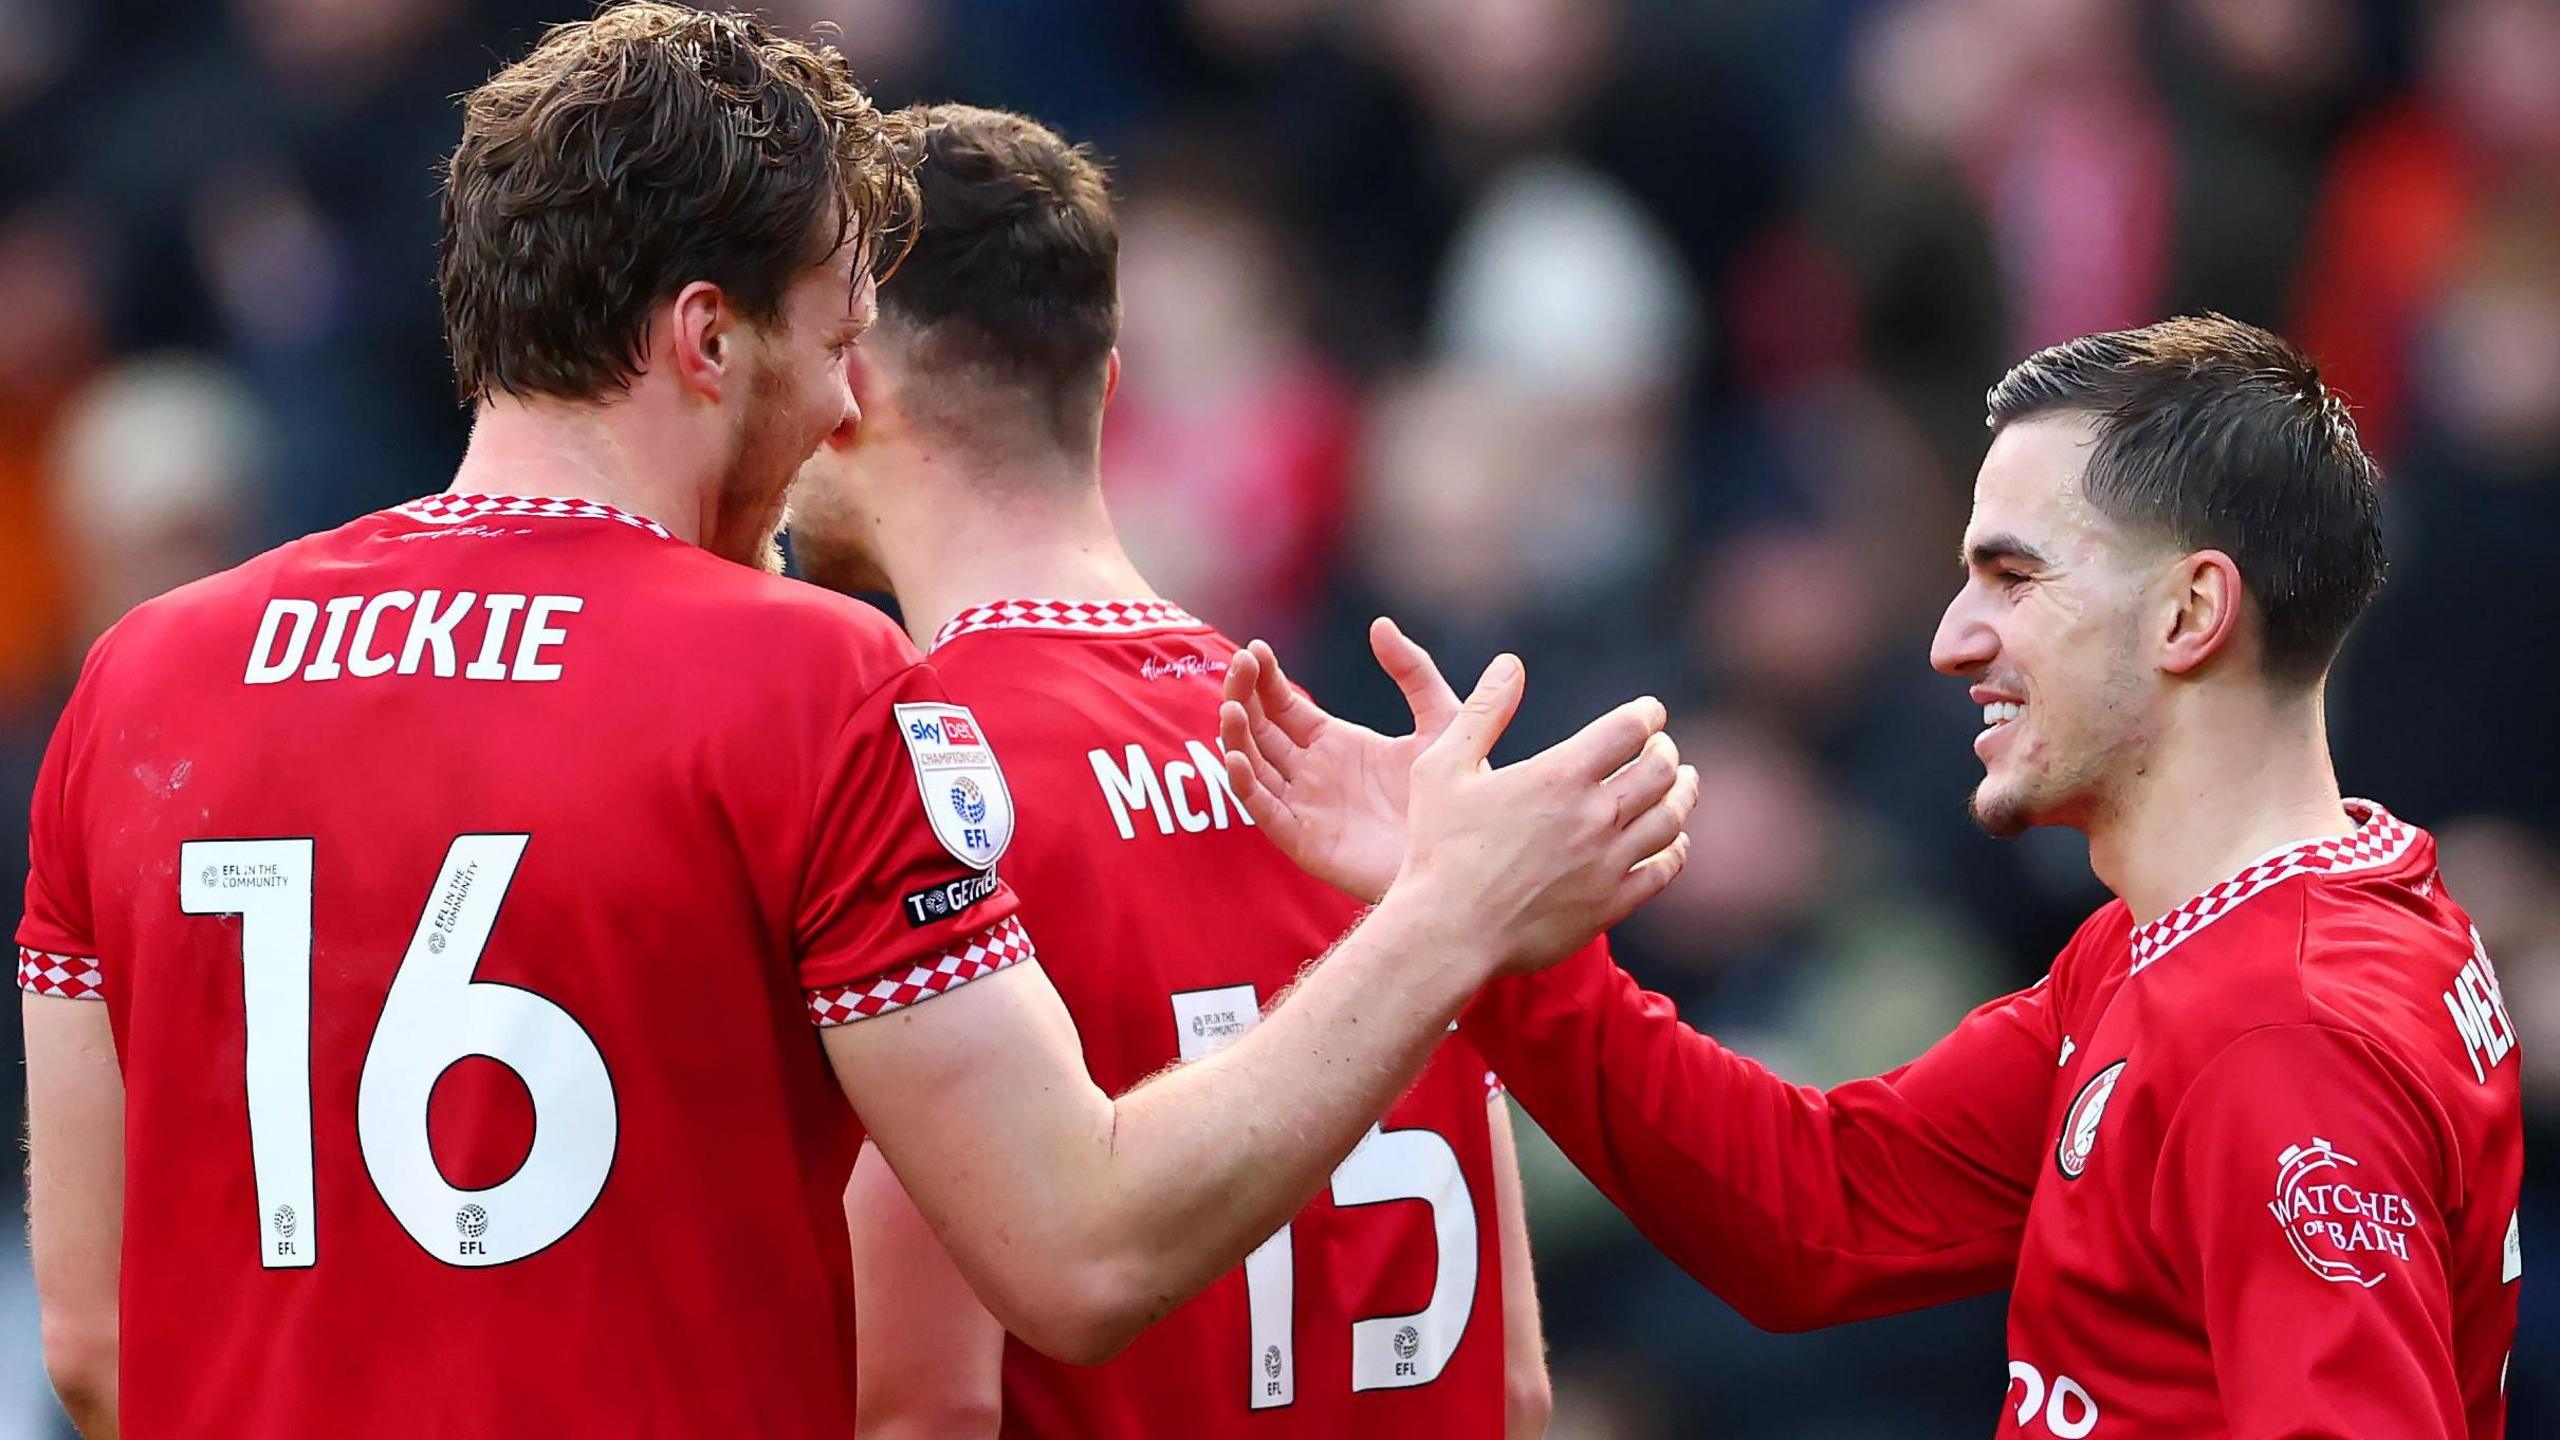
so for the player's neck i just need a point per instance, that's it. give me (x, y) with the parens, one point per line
(1022, 536)
(2228, 784)
(567, 450)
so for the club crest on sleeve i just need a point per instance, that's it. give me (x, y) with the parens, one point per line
(964, 792)
(2080, 1122)
(2343, 1231)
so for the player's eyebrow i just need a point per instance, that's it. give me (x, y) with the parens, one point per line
(1992, 550)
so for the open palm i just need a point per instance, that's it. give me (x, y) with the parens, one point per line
(1333, 793)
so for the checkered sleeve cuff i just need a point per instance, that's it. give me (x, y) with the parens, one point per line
(73, 977)
(1492, 1087)
(1000, 945)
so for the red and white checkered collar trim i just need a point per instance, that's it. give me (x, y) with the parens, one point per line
(1082, 617)
(2379, 840)
(457, 509)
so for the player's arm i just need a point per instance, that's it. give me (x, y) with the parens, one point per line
(1799, 1207)
(75, 1200)
(2301, 1196)
(75, 1095)
(928, 1358)
(1528, 1398)
(1079, 1219)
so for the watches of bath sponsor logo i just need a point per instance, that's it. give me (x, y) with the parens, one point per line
(2080, 1123)
(2343, 1231)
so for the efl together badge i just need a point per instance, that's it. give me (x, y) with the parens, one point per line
(963, 787)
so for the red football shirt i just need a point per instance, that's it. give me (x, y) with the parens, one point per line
(2251, 1169)
(1167, 924)
(461, 885)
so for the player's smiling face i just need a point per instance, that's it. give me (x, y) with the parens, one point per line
(2048, 628)
(797, 395)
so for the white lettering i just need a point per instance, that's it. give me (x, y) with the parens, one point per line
(529, 662)
(324, 665)
(265, 667)
(502, 611)
(361, 661)
(2479, 1010)
(2058, 1417)
(2070, 1412)
(1222, 798)
(1175, 773)
(428, 628)
(1134, 788)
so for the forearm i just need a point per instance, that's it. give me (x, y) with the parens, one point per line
(91, 1405)
(1079, 1220)
(1224, 1150)
(75, 1200)
(928, 1358)
(1799, 1208)
(1528, 1396)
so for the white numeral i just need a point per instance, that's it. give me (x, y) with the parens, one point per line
(435, 1015)
(1392, 1351)
(267, 883)
(1387, 1351)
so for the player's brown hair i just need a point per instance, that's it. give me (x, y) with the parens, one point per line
(2215, 434)
(1013, 272)
(630, 155)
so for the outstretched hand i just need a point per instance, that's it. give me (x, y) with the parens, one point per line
(1542, 854)
(1331, 794)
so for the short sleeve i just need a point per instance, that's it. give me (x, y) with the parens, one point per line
(57, 945)
(2302, 1196)
(901, 900)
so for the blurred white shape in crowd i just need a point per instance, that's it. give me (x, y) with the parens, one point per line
(1562, 281)
(156, 468)
(1527, 464)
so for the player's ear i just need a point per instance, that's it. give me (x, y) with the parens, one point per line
(1111, 377)
(701, 331)
(2202, 618)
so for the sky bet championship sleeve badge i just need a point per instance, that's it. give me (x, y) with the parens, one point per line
(964, 792)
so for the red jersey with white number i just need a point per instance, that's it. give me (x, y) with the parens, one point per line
(2250, 1169)
(461, 885)
(1167, 923)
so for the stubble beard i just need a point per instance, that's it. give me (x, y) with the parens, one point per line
(755, 486)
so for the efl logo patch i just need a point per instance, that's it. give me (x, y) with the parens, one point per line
(2341, 1231)
(964, 791)
(953, 897)
(2080, 1122)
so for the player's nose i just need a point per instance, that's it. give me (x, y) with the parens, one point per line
(1965, 642)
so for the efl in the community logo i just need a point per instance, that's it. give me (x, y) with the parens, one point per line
(2080, 1122)
(2341, 1230)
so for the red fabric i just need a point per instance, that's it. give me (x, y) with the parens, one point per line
(1137, 902)
(714, 816)
(2262, 1188)
(2394, 218)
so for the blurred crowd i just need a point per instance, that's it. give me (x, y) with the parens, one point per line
(1645, 337)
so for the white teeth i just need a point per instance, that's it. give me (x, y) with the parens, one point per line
(2001, 712)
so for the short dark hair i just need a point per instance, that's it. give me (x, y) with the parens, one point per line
(2214, 434)
(1014, 267)
(631, 154)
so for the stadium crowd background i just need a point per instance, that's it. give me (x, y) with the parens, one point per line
(1647, 337)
